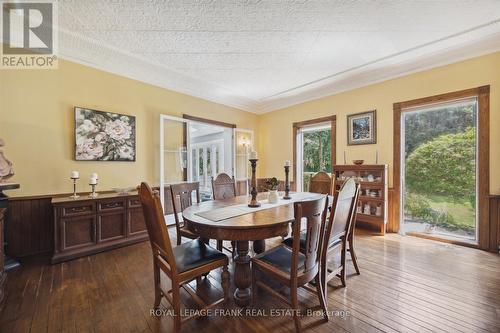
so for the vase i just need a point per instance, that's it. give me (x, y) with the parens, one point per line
(273, 196)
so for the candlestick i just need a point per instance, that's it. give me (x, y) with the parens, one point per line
(253, 155)
(253, 192)
(287, 182)
(75, 175)
(74, 196)
(94, 175)
(93, 184)
(93, 194)
(287, 163)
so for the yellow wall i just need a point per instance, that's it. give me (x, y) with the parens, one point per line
(275, 128)
(36, 120)
(37, 124)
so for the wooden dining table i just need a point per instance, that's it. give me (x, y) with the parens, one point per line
(233, 220)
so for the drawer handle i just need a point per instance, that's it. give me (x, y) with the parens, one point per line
(111, 205)
(77, 209)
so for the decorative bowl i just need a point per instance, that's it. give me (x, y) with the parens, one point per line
(358, 162)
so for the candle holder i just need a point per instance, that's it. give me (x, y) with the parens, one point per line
(93, 194)
(74, 196)
(287, 183)
(253, 192)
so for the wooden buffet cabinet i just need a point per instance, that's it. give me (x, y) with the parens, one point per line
(87, 225)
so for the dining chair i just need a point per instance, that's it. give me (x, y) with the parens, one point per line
(337, 233)
(182, 198)
(321, 182)
(181, 264)
(224, 187)
(290, 266)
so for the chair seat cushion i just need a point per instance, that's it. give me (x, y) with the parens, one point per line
(194, 254)
(281, 258)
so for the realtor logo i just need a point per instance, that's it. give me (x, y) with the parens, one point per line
(28, 38)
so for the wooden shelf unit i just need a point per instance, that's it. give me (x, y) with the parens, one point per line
(373, 193)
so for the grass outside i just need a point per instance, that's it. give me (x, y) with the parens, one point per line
(461, 212)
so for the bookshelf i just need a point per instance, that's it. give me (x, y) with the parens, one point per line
(372, 203)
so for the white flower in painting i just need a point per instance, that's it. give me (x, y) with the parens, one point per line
(118, 129)
(125, 119)
(88, 149)
(86, 128)
(100, 137)
(126, 152)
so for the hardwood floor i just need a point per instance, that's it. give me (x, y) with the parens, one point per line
(406, 285)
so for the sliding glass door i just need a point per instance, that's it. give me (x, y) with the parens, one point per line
(439, 169)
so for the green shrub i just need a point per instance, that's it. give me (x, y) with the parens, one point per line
(444, 166)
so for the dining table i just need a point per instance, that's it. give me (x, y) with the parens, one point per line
(232, 220)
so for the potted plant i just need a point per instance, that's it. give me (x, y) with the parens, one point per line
(272, 185)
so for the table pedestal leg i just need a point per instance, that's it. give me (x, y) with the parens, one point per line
(259, 246)
(242, 275)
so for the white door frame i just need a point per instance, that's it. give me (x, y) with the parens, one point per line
(164, 117)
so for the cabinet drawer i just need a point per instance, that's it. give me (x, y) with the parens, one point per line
(78, 209)
(110, 205)
(134, 202)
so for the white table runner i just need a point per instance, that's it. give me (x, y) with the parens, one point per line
(224, 213)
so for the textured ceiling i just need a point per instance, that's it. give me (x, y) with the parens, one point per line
(261, 55)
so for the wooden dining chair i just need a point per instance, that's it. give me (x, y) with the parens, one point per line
(337, 232)
(182, 263)
(224, 187)
(290, 266)
(182, 198)
(321, 183)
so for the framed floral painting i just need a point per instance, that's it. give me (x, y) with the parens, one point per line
(362, 128)
(104, 136)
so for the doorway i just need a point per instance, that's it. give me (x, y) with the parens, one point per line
(314, 149)
(439, 169)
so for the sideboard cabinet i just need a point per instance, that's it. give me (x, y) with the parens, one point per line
(87, 225)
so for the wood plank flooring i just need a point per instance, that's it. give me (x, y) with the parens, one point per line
(406, 285)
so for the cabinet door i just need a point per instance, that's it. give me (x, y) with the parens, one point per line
(135, 217)
(111, 226)
(77, 232)
(136, 223)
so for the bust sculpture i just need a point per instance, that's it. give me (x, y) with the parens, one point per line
(6, 170)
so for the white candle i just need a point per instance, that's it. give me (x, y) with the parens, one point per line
(75, 174)
(93, 181)
(94, 175)
(253, 155)
(287, 163)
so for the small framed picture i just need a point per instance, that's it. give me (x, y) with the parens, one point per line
(362, 128)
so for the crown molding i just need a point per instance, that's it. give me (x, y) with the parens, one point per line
(465, 45)
(95, 54)
(387, 69)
